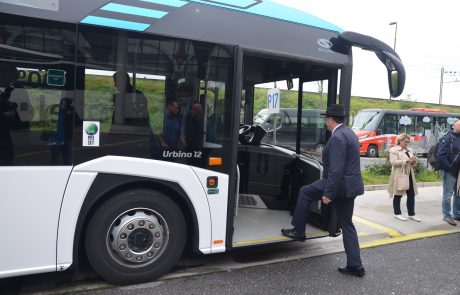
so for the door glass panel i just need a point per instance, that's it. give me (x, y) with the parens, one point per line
(36, 92)
(157, 98)
(313, 135)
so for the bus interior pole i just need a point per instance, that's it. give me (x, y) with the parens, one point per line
(299, 116)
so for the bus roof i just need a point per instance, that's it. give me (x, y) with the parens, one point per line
(258, 26)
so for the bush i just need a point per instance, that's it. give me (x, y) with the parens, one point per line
(420, 168)
(375, 173)
(384, 168)
(381, 168)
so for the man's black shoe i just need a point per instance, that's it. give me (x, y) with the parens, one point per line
(293, 234)
(355, 270)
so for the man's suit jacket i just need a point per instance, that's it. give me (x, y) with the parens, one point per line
(342, 171)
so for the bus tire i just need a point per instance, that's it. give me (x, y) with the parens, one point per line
(372, 151)
(135, 236)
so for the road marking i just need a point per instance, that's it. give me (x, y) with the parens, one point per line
(363, 234)
(405, 238)
(391, 232)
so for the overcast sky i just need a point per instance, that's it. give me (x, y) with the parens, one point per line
(427, 39)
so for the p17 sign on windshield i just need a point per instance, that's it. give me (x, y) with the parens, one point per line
(273, 101)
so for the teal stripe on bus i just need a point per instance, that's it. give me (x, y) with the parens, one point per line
(114, 23)
(127, 9)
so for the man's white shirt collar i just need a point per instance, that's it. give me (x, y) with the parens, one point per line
(336, 128)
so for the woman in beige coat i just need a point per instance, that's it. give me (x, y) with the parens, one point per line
(402, 163)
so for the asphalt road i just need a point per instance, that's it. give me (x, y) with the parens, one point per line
(425, 266)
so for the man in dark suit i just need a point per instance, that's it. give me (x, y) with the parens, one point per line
(341, 184)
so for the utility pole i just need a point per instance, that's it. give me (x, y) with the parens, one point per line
(440, 85)
(449, 73)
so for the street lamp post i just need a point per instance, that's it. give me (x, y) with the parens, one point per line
(396, 32)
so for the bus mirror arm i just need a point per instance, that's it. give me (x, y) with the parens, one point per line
(386, 54)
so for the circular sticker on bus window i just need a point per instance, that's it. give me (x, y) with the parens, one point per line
(91, 129)
(426, 119)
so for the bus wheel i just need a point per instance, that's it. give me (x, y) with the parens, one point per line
(372, 151)
(135, 236)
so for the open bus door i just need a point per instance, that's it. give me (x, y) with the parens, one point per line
(272, 172)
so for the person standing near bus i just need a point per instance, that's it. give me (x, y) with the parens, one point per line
(448, 150)
(341, 184)
(402, 161)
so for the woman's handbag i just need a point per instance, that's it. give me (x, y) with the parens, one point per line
(402, 180)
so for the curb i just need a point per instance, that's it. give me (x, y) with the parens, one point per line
(376, 187)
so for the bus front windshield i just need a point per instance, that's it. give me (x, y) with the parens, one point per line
(368, 120)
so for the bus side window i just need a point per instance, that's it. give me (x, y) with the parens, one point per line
(381, 127)
(420, 126)
(390, 124)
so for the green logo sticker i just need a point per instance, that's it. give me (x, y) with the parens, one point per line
(91, 129)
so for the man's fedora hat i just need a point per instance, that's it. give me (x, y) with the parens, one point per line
(335, 110)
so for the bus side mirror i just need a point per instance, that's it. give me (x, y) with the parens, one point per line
(386, 54)
(396, 72)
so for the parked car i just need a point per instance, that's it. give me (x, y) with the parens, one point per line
(313, 127)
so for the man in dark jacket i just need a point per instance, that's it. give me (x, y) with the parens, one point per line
(448, 150)
(341, 184)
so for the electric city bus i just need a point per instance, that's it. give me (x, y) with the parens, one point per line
(127, 129)
(377, 129)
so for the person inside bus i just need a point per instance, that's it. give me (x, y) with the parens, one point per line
(19, 95)
(402, 177)
(62, 146)
(9, 117)
(194, 133)
(130, 104)
(215, 127)
(447, 155)
(341, 184)
(184, 95)
(166, 136)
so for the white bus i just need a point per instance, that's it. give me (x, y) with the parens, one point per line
(140, 143)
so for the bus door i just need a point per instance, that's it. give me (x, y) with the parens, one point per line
(272, 174)
(36, 137)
